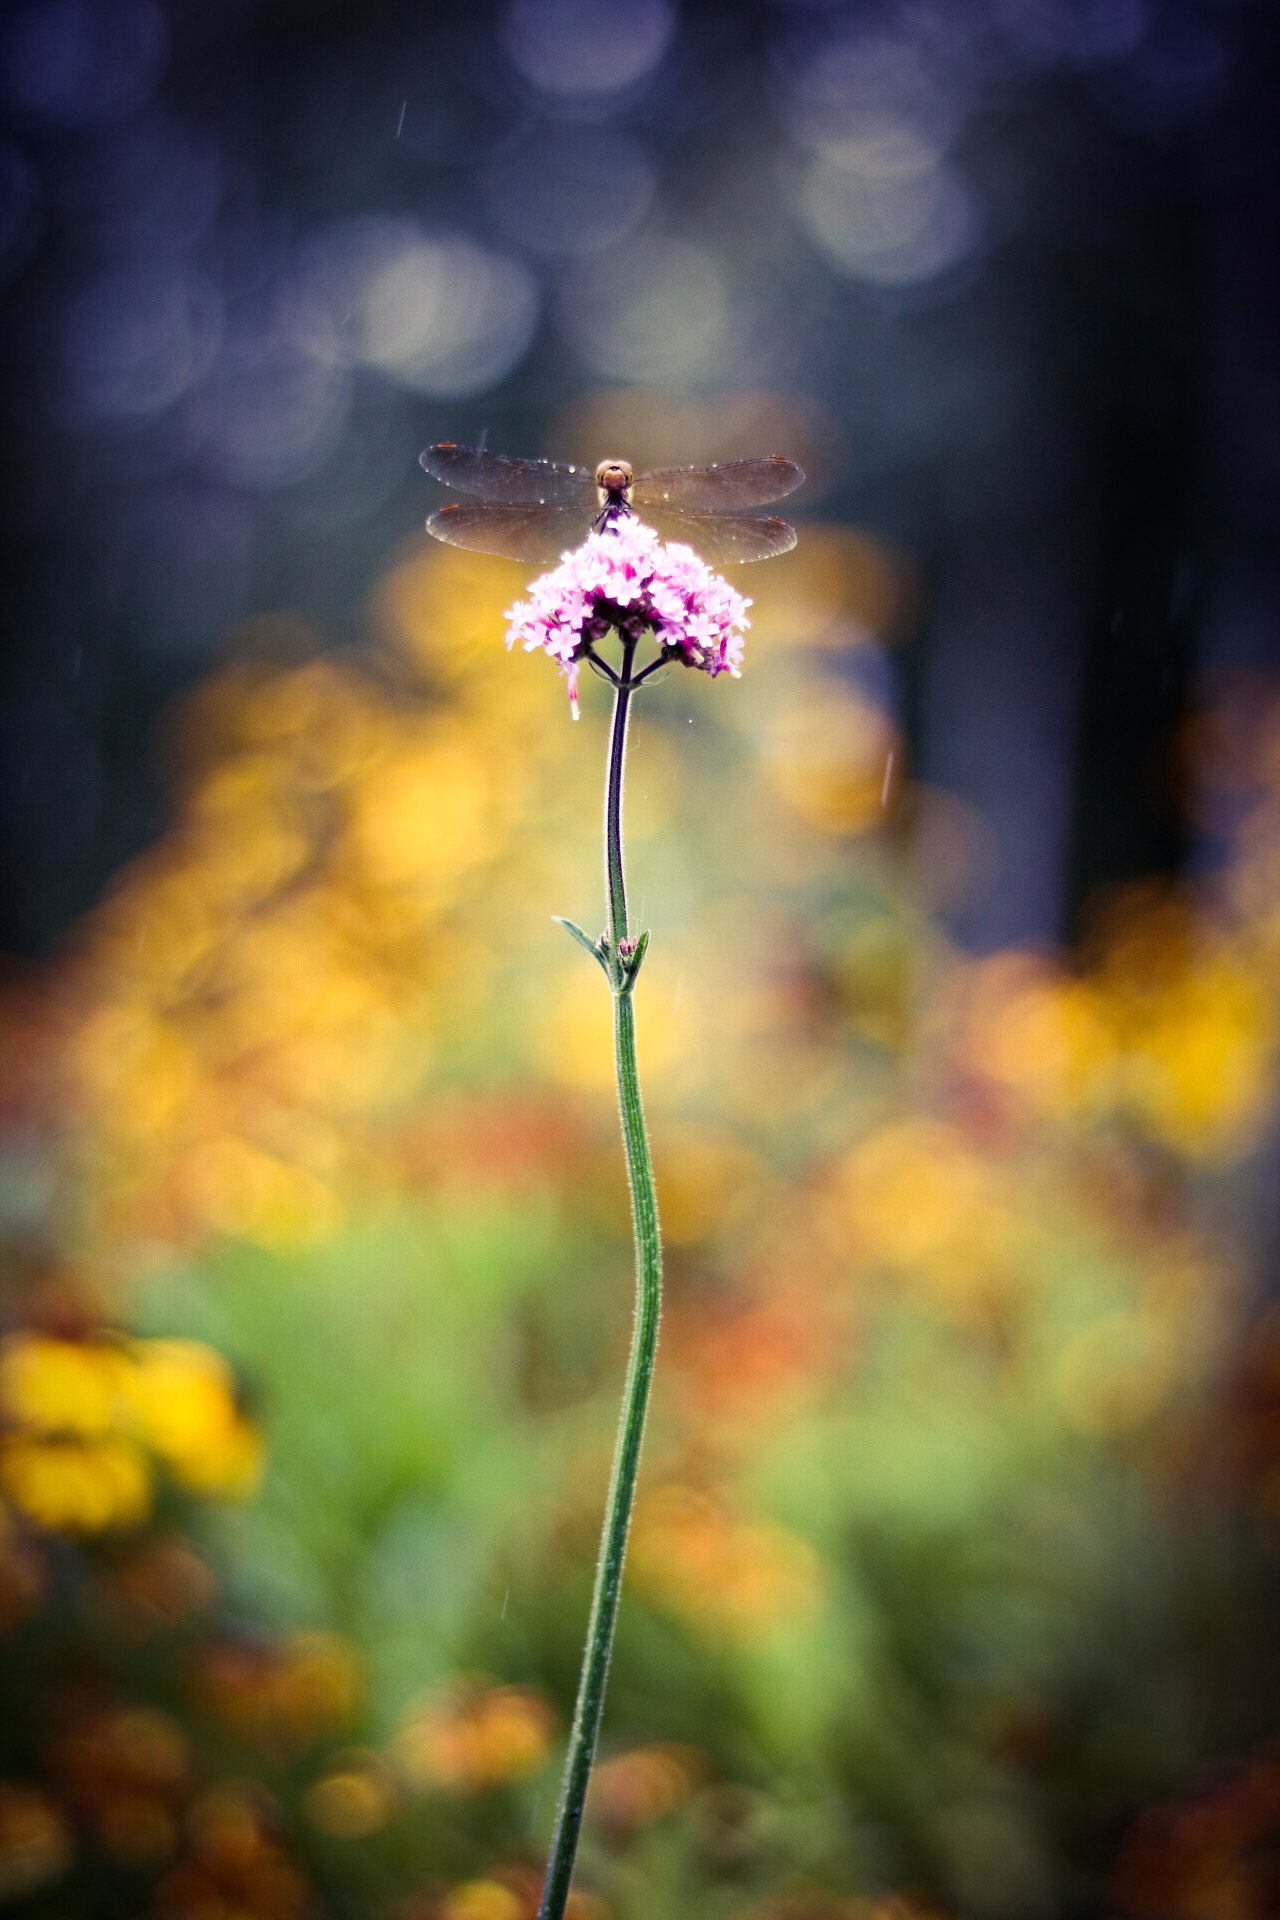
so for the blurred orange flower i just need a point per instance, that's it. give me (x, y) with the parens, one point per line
(233, 1863)
(124, 1770)
(1211, 1853)
(747, 1577)
(633, 1789)
(466, 1738)
(36, 1842)
(284, 1694)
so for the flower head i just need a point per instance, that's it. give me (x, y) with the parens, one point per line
(625, 577)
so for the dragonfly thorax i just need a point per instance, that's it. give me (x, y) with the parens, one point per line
(614, 479)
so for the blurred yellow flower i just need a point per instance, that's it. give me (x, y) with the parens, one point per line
(837, 589)
(141, 1063)
(179, 1398)
(355, 1797)
(574, 1031)
(317, 1683)
(707, 1179)
(1201, 1054)
(482, 1900)
(427, 815)
(917, 1198)
(237, 1188)
(277, 964)
(915, 1192)
(512, 1893)
(445, 611)
(1038, 1035)
(83, 1411)
(76, 1486)
(1115, 1372)
(250, 832)
(1050, 1044)
(322, 717)
(61, 1386)
(826, 752)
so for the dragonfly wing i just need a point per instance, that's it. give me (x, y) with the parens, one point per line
(507, 481)
(719, 489)
(724, 539)
(536, 533)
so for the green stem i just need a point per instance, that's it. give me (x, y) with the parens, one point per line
(615, 879)
(644, 1343)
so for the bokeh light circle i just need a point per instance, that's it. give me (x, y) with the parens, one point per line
(437, 313)
(829, 97)
(888, 209)
(585, 48)
(155, 187)
(76, 63)
(269, 414)
(564, 190)
(1172, 79)
(656, 310)
(135, 341)
(448, 316)
(1078, 31)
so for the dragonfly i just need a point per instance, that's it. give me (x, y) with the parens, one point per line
(533, 509)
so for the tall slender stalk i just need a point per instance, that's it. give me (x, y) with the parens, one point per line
(614, 877)
(644, 1337)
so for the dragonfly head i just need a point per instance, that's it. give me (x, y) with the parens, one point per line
(614, 477)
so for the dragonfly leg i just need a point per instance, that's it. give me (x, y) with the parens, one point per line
(610, 512)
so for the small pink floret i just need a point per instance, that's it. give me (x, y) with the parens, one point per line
(625, 577)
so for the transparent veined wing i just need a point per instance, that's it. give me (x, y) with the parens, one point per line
(508, 481)
(726, 488)
(536, 533)
(723, 539)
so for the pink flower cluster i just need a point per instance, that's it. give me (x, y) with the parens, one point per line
(624, 577)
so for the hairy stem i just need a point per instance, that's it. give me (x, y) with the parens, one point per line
(644, 1342)
(615, 879)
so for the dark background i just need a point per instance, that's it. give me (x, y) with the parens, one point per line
(1069, 424)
